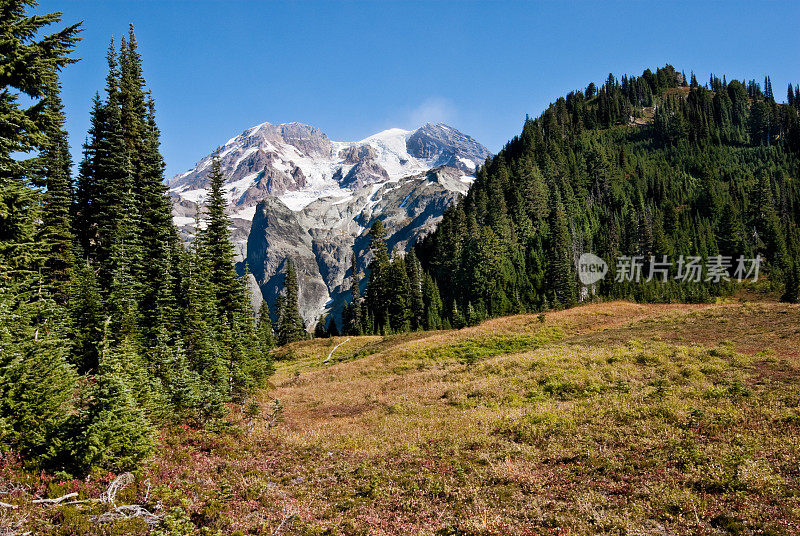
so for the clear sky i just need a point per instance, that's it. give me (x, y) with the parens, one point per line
(354, 68)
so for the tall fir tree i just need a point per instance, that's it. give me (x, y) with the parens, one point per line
(201, 334)
(355, 316)
(377, 289)
(55, 232)
(36, 381)
(266, 334)
(415, 302)
(122, 152)
(217, 246)
(115, 189)
(561, 274)
(290, 325)
(84, 217)
(433, 303)
(117, 433)
(142, 139)
(125, 267)
(397, 296)
(26, 129)
(87, 314)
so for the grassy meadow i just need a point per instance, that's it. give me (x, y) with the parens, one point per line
(613, 418)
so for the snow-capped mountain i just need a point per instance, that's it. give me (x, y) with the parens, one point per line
(314, 199)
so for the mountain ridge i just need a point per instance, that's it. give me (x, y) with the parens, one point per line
(323, 195)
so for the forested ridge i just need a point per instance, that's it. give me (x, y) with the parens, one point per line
(109, 327)
(647, 167)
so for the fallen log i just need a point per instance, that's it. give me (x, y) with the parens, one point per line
(56, 500)
(127, 511)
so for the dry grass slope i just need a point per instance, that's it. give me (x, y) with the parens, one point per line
(613, 418)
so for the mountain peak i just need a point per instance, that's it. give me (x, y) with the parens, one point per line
(298, 164)
(312, 198)
(449, 146)
(293, 156)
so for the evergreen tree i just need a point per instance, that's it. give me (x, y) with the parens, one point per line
(166, 312)
(355, 316)
(458, 321)
(113, 173)
(333, 329)
(732, 235)
(26, 129)
(321, 328)
(218, 249)
(791, 290)
(125, 266)
(416, 303)
(121, 161)
(132, 101)
(55, 232)
(87, 189)
(117, 433)
(397, 296)
(560, 274)
(86, 313)
(141, 135)
(201, 335)
(280, 307)
(377, 289)
(433, 303)
(177, 389)
(265, 333)
(36, 383)
(768, 95)
(290, 323)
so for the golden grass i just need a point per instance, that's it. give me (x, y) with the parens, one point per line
(613, 418)
(604, 385)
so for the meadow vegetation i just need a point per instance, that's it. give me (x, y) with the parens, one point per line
(612, 418)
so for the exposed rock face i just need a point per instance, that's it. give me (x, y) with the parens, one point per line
(262, 147)
(352, 155)
(322, 237)
(446, 146)
(314, 200)
(363, 173)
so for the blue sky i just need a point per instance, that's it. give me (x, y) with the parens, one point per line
(353, 68)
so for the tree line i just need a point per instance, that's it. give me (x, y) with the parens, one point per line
(642, 166)
(109, 327)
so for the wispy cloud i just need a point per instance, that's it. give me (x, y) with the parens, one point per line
(432, 110)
